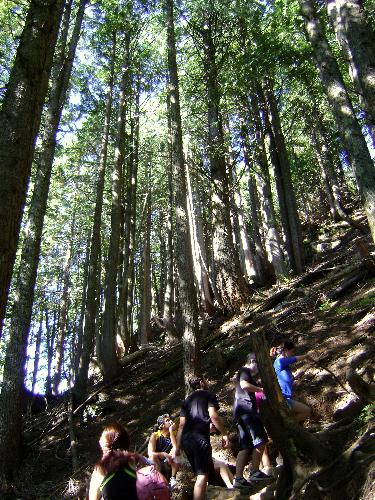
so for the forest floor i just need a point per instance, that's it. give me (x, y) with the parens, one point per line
(334, 325)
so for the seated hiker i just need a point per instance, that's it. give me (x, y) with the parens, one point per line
(194, 432)
(252, 435)
(160, 445)
(114, 474)
(286, 357)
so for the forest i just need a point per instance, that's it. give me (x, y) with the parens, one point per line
(167, 166)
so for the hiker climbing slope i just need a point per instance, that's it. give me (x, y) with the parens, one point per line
(252, 435)
(194, 432)
(286, 357)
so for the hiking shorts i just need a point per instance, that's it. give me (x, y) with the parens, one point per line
(198, 451)
(251, 432)
(290, 402)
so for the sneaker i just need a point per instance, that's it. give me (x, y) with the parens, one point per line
(258, 475)
(240, 482)
(172, 482)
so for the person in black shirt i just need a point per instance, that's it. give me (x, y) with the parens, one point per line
(193, 434)
(114, 475)
(252, 435)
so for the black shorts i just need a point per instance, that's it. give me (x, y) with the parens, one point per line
(251, 432)
(198, 451)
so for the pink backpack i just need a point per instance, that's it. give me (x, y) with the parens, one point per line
(151, 484)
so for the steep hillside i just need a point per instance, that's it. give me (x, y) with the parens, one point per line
(329, 312)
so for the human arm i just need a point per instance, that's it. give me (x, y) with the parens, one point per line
(250, 387)
(286, 361)
(218, 423)
(96, 479)
(173, 435)
(177, 450)
(151, 449)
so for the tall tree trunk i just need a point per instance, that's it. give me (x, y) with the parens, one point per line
(343, 112)
(230, 282)
(107, 353)
(182, 240)
(265, 271)
(80, 386)
(63, 317)
(145, 309)
(126, 321)
(287, 199)
(50, 341)
(19, 124)
(328, 175)
(357, 39)
(38, 341)
(263, 183)
(200, 264)
(78, 341)
(248, 256)
(22, 308)
(163, 266)
(170, 294)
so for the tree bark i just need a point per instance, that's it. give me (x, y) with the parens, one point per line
(50, 341)
(343, 112)
(229, 280)
(201, 275)
(357, 39)
(63, 316)
(182, 240)
(263, 182)
(265, 271)
(107, 346)
(287, 199)
(38, 341)
(20, 116)
(80, 386)
(78, 340)
(145, 307)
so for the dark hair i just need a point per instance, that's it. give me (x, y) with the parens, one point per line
(250, 357)
(114, 443)
(160, 420)
(195, 383)
(286, 346)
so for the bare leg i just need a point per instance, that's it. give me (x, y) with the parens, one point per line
(242, 460)
(225, 473)
(266, 461)
(257, 455)
(301, 412)
(200, 487)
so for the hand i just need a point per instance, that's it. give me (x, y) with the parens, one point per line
(155, 458)
(225, 441)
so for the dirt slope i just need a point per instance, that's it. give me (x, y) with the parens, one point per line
(336, 329)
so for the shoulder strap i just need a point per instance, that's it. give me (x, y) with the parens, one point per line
(108, 477)
(106, 480)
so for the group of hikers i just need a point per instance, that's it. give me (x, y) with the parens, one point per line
(118, 474)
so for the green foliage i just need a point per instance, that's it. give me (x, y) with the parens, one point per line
(362, 303)
(367, 415)
(326, 305)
